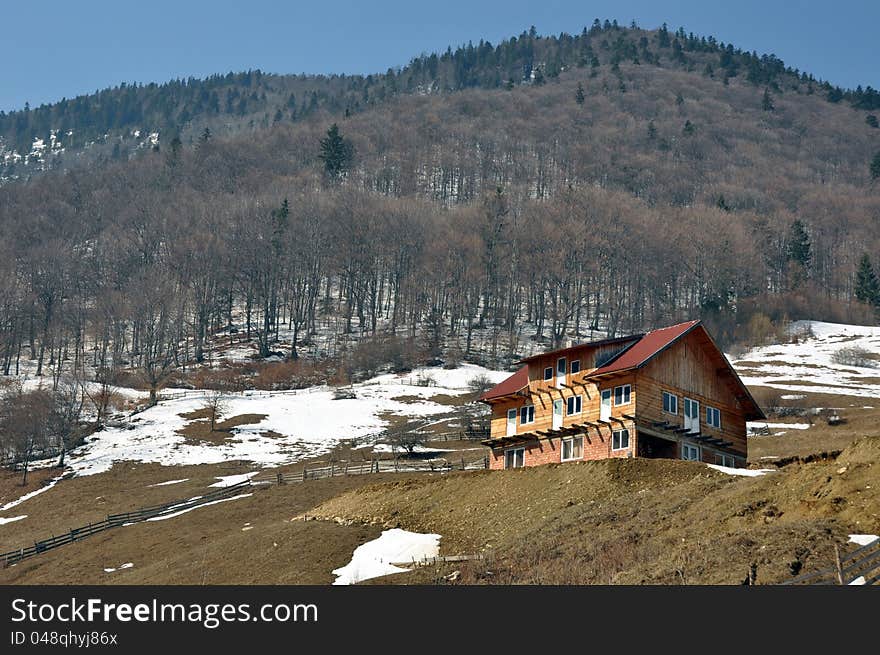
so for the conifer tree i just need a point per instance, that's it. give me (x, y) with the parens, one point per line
(867, 285)
(337, 153)
(799, 247)
(875, 166)
(767, 101)
(579, 94)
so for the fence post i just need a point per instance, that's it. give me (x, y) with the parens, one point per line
(280, 478)
(462, 462)
(304, 473)
(838, 565)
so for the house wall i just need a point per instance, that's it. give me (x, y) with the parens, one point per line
(541, 394)
(689, 369)
(597, 445)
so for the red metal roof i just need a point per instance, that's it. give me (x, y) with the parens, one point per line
(581, 346)
(645, 348)
(511, 385)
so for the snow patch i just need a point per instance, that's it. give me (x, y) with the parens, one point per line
(863, 539)
(304, 423)
(811, 360)
(19, 501)
(189, 509)
(756, 425)
(165, 484)
(374, 558)
(749, 473)
(127, 565)
(4, 521)
(230, 480)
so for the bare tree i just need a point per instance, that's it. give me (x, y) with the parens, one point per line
(216, 405)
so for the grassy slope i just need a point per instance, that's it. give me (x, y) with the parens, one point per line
(622, 521)
(632, 521)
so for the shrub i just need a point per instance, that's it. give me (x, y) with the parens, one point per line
(855, 356)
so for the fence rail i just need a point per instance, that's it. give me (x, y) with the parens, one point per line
(118, 520)
(862, 566)
(342, 469)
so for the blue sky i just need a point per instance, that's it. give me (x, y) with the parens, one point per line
(58, 48)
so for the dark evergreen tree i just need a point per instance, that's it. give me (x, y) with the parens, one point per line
(337, 153)
(767, 101)
(579, 94)
(867, 285)
(875, 166)
(652, 130)
(799, 248)
(871, 120)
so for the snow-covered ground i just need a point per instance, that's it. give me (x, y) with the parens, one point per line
(863, 539)
(303, 423)
(12, 519)
(750, 473)
(808, 365)
(377, 557)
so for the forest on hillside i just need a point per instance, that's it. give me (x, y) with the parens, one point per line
(115, 123)
(657, 178)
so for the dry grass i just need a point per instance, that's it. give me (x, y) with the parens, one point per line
(11, 487)
(199, 431)
(630, 521)
(253, 540)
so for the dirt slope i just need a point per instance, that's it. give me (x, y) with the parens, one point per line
(632, 521)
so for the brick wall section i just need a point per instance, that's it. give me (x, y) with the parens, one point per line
(597, 445)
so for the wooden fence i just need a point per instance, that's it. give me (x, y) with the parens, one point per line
(862, 566)
(118, 520)
(341, 469)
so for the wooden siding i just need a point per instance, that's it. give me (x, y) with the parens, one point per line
(542, 394)
(690, 369)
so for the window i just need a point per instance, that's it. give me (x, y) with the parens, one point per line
(561, 366)
(670, 403)
(576, 366)
(572, 448)
(622, 395)
(527, 414)
(619, 439)
(605, 406)
(575, 405)
(548, 373)
(690, 451)
(725, 460)
(713, 417)
(514, 458)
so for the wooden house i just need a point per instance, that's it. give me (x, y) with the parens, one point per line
(668, 393)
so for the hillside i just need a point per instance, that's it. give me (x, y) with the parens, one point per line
(119, 122)
(811, 484)
(629, 521)
(480, 224)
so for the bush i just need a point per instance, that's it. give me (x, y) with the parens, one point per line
(479, 384)
(855, 357)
